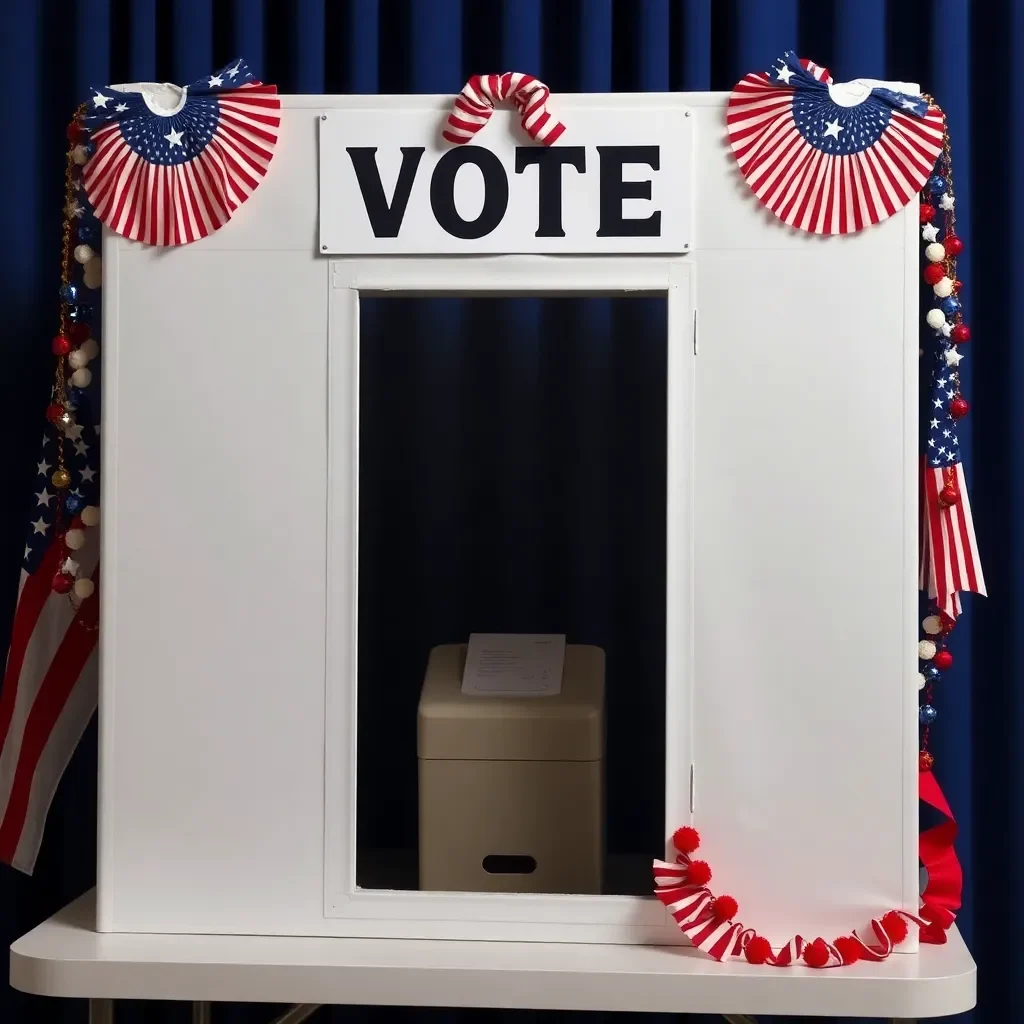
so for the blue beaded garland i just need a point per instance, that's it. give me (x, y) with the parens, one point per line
(927, 714)
(936, 184)
(932, 673)
(950, 305)
(74, 503)
(69, 292)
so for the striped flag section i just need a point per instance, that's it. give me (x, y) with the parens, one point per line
(828, 167)
(482, 93)
(950, 562)
(169, 175)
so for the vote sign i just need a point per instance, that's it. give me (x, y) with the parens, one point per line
(617, 181)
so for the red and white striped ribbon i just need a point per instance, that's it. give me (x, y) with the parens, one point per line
(691, 906)
(475, 104)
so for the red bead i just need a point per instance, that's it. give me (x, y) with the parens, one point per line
(54, 411)
(925, 761)
(953, 245)
(960, 334)
(959, 408)
(63, 582)
(60, 345)
(934, 273)
(816, 953)
(943, 660)
(948, 496)
(927, 212)
(686, 839)
(957, 285)
(78, 333)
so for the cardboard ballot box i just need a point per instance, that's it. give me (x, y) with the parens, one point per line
(511, 788)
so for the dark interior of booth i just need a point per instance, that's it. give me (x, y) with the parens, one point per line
(512, 479)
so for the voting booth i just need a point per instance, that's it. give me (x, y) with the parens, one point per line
(230, 728)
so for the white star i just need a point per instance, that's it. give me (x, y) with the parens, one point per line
(910, 104)
(931, 443)
(952, 357)
(42, 468)
(832, 128)
(945, 433)
(942, 450)
(174, 138)
(938, 403)
(44, 497)
(947, 202)
(81, 447)
(87, 474)
(784, 74)
(956, 440)
(941, 382)
(70, 566)
(950, 456)
(929, 232)
(74, 431)
(121, 107)
(40, 526)
(99, 100)
(215, 80)
(46, 440)
(945, 330)
(28, 551)
(949, 394)
(76, 492)
(96, 430)
(934, 424)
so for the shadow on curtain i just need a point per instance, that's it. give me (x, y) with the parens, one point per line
(964, 54)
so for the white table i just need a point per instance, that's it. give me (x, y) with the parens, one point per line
(65, 957)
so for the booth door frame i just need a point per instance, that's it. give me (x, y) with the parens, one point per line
(408, 914)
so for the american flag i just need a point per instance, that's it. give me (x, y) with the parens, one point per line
(172, 166)
(828, 167)
(50, 683)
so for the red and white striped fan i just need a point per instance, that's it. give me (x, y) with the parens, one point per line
(831, 159)
(172, 165)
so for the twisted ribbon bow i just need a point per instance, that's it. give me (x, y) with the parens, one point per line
(475, 104)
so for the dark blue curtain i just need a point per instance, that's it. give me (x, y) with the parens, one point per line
(964, 54)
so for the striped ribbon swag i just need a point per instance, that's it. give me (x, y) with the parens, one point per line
(475, 104)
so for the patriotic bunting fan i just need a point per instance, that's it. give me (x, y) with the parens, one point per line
(831, 159)
(172, 165)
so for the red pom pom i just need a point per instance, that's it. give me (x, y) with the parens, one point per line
(959, 408)
(54, 411)
(953, 245)
(943, 660)
(60, 345)
(948, 496)
(686, 839)
(63, 582)
(849, 948)
(934, 273)
(698, 873)
(816, 953)
(78, 333)
(894, 926)
(927, 212)
(725, 908)
(758, 950)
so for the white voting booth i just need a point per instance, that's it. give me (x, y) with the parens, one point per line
(228, 724)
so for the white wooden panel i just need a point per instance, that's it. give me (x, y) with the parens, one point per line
(215, 445)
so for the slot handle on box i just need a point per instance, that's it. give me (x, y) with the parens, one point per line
(509, 864)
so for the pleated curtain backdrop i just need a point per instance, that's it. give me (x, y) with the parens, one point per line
(967, 55)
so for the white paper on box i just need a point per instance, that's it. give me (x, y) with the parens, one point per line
(514, 664)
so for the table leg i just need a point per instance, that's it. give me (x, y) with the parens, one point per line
(101, 1011)
(202, 1013)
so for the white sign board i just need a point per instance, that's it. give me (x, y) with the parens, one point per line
(618, 181)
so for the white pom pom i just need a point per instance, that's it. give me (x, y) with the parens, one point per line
(93, 276)
(84, 588)
(83, 253)
(74, 539)
(943, 288)
(926, 650)
(932, 625)
(920, 680)
(91, 515)
(89, 348)
(935, 318)
(935, 253)
(81, 377)
(80, 155)
(77, 359)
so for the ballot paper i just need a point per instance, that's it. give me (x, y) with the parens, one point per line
(514, 664)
